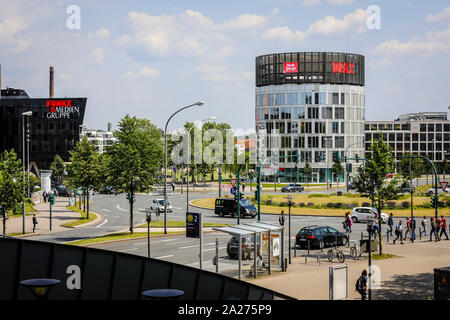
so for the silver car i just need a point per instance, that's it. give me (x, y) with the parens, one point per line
(158, 205)
(364, 214)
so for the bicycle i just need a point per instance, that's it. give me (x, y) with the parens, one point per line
(355, 250)
(334, 252)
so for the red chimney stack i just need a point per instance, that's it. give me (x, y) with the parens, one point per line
(52, 83)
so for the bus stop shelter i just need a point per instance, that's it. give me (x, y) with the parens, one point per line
(269, 237)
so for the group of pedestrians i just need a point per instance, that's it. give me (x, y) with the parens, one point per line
(438, 228)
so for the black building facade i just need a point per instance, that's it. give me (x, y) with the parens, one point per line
(54, 125)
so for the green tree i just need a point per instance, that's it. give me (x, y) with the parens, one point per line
(136, 159)
(411, 168)
(11, 187)
(337, 169)
(58, 168)
(373, 182)
(307, 171)
(84, 168)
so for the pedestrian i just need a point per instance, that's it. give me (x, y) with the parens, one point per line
(34, 222)
(408, 227)
(243, 187)
(361, 285)
(375, 228)
(44, 195)
(281, 218)
(413, 228)
(438, 228)
(391, 224)
(443, 227)
(399, 232)
(424, 225)
(173, 188)
(433, 230)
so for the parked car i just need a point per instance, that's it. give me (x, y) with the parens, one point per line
(317, 236)
(292, 187)
(62, 190)
(430, 192)
(107, 190)
(158, 205)
(364, 214)
(351, 186)
(228, 206)
(247, 247)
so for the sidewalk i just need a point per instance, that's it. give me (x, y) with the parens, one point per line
(60, 215)
(409, 276)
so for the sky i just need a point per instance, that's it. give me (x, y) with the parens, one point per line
(149, 58)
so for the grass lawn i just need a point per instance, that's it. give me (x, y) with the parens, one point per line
(116, 236)
(376, 256)
(82, 220)
(209, 203)
(175, 224)
(29, 208)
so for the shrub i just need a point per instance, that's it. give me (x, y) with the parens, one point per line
(301, 204)
(319, 195)
(405, 204)
(268, 202)
(349, 206)
(310, 204)
(448, 203)
(366, 204)
(391, 205)
(282, 204)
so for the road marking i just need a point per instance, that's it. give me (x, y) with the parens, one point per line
(118, 207)
(195, 245)
(214, 249)
(106, 210)
(128, 250)
(106, 220)
(171, 255)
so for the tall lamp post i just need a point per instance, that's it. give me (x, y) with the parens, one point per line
(24, 114)
(165, 159)
(189, 160)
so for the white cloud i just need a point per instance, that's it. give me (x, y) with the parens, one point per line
(385, 62)
(432, 43)
(339, 2)
(97, 56)
(443, 15)
(144, 72)
(213, 72)
(330, 25)
(189, 33)
(102, 33)
(309, 3)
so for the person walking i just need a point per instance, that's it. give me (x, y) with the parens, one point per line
(243, 187)
(281, 218)
(361, 285)
(443, 227)
(34, 222)
(438, 228)
(391, 224)
(399, 232)
(413, 229)
(376, 228)
(173, 187)
(433, 230)
(346, 223)
(44, 195)
(408, 228)
(424, 225)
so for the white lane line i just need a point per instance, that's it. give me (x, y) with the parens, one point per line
(118, 207)
(214, 249)
(106, 220)
(128, 250)
(195, 245)
(106, 210)
(169, 256)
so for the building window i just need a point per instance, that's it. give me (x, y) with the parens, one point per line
(430, 127)
(407, 136)
(399, 137)
(319, 156)
(299, 113)
(313, 113)
(339, 142)
(292, 98)
(279, 99)
(270, 99)
(447, 127)
(280, 127)
(327, 142)
(342, 98)
(438, 126)
(339, 113)
(342, 127)
(406, 126)
(274, 113)
(285, 113)
(423, 127)
(415, 147)
(313, 142)
(319, 127)
(423, 147)
(335, 98)
(430, 136)
(306, 98)
(335, 127)
(397, 127)
(327, 113)
(423, 137)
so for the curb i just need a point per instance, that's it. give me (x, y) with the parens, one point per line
(98, 219)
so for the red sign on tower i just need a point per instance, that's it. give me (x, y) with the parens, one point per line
(290, 67)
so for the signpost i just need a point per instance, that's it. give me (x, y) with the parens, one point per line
(51, 200)
(444, 185)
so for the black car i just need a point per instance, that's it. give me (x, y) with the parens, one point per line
(293, 187)
(317, 236)
(62, 191)
(228, 206)
(247, 247)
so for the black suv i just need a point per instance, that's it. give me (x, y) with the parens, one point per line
(228, 206)
(247, 247)
(317, 236)
(292, 188)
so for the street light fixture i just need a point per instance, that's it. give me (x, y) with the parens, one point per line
(148, 218)
(199, 103)
(25, 114)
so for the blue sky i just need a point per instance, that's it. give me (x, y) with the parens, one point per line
(148, 58)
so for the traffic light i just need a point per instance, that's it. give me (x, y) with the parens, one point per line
(295, 156)
(433, 201)
(131, 197)
(51, 199)
(335, 156)
(256, 194)
(357, 158)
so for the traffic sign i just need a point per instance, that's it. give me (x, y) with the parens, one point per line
(233, 190)
(444, 185)
(192, 225)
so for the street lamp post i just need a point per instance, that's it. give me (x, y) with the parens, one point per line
(148, 219)
(24, 114)
(289, 237)
(369, 230)
(189, 160)
(165, 159)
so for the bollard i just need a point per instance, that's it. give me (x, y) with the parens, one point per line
(420, 233)
(348, 240)
(295, 250)
(387, 236)
(362, 236)
(306, 258)
(308, 246)
(285, 264)
(318, 258)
